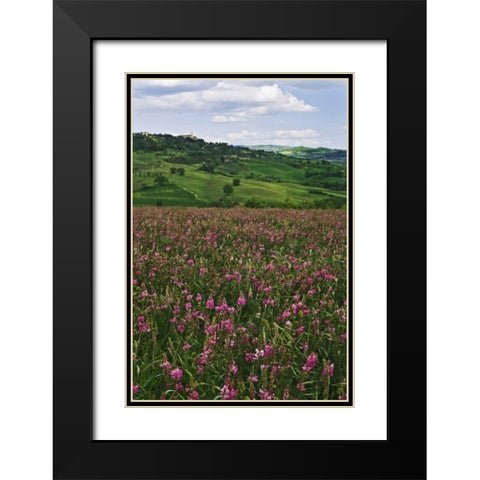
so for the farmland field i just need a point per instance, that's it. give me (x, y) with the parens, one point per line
(238, 303)
(174, 171)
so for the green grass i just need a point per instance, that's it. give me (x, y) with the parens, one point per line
(168, 195)
(280, 170)
(209, 187)
(199, 188)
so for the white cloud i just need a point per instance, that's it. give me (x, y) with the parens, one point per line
(306, 138)
(234, 117)
(308, 133)
(290, 142)
(243, 134)
(230, 101)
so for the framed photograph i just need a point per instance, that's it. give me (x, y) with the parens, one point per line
(239, 240)
(239, 231)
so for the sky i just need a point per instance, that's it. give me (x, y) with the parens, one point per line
(293, 112)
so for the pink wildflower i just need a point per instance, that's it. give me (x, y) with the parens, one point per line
(328, 369)
(210, 303)
(266, 395)
(259, 353)
(228, 392)
(250, 357)
(269, 350)
(176, 373)
(166, 365)
(310, 363)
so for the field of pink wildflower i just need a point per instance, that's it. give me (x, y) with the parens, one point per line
(239, 304)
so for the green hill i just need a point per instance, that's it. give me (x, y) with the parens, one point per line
(181, 171)
(308, 153)
(267, 148)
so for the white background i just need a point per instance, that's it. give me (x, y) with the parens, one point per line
(367, 421)
(453, 229)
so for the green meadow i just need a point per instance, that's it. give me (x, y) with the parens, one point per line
(174, 171)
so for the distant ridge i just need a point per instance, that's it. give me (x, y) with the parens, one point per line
(198, 150)
(306, 153)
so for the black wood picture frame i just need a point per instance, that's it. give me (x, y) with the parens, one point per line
(77, 24)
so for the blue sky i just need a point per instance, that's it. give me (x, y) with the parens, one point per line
(311, 113)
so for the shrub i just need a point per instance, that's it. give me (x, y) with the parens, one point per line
(161, 180)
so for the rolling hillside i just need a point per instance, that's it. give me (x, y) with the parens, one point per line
(180, 171)
(307, 153)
